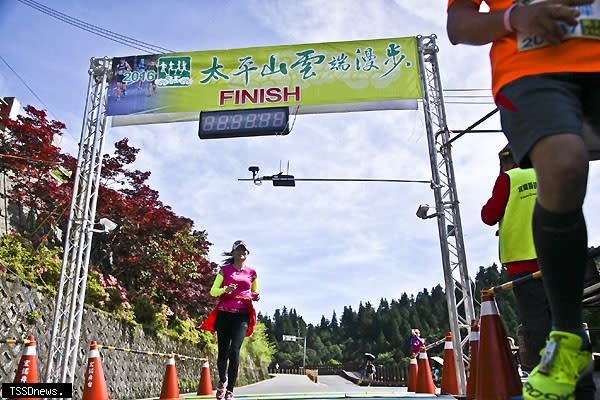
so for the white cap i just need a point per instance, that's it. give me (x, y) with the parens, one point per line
(239, 243)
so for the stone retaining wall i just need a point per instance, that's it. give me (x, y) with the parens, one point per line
(29, 311)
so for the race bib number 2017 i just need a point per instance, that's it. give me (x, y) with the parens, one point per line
(588, 27)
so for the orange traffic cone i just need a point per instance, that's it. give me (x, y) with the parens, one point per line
(27, 371)
(449, 384)
(170, 386)
(473, 360)
(413, 370)
(424, 378)
(497, 374)
(94, 387)
(205, 385)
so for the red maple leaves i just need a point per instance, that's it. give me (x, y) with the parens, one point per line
(153, 253)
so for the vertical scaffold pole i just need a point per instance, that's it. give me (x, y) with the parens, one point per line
(64, 343)
(456, 275)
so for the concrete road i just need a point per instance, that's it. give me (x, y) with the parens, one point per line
(283, 383)
(299, 387)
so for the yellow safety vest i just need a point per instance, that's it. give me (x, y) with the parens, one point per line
(516, 236)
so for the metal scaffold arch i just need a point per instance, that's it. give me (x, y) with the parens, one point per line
(66, 328)
(64, 346)
(456, 275)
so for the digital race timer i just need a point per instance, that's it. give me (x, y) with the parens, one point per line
(240, 123)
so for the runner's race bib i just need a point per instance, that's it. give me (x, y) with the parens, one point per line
(588, 27)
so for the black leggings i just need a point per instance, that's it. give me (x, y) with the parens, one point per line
(231, 330)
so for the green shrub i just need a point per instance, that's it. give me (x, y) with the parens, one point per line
(259, 346)
(33, 317)
(95, 294)
(35, 264)
(208, 342)
(144, 310)
(186, 330)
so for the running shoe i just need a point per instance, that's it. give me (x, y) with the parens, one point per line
(557, 373)
(221, 390)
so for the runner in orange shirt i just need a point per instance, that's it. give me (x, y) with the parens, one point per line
(545, 60)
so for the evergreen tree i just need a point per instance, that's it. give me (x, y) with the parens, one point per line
(383, 331)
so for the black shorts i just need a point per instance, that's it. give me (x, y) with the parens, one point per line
(547, 105)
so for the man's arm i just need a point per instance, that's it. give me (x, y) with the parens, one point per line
(467, 25)
(493, 210)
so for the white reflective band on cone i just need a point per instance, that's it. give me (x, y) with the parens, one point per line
(489, 308)
(423, 355)
(413, 360)
(474, 336)
(448, 345)
(205, 365)
(171, 361)
(29, 351)
(94, 353)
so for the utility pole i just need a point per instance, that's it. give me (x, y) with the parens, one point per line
(292, 338)
(304, 359)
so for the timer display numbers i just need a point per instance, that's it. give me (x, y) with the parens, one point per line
(242, 123)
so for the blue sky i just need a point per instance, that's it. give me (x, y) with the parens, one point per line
(319, 246)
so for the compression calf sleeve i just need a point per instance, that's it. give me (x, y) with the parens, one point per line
(561, 246)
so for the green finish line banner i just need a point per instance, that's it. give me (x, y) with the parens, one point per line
(307, 75)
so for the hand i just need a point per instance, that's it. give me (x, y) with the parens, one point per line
(542, 19)
(256, 297)
(230, 288)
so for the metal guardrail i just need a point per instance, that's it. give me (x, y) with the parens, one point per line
(385, 375)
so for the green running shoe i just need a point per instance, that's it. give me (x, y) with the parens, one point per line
(556, 375)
